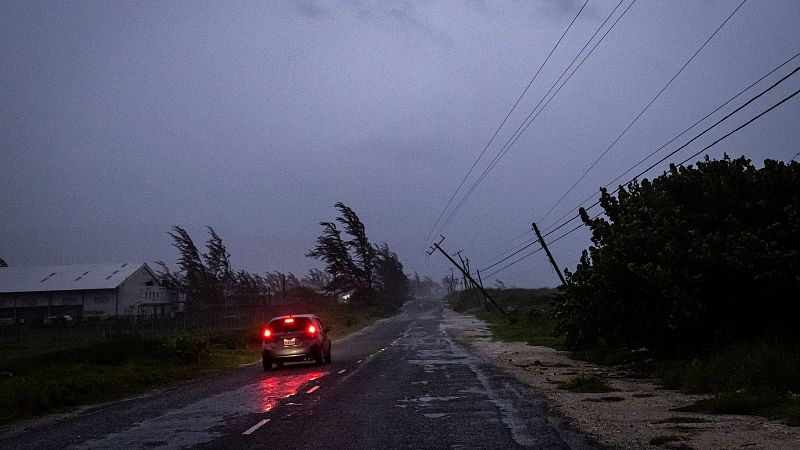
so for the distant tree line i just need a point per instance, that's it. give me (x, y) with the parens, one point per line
(371, 274)
(695, 259)
(208, 280)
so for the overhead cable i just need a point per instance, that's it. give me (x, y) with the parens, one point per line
(461, 184)
(676, 138)
(531, 117)
(793, 72)
(641, 113)
(707, 147)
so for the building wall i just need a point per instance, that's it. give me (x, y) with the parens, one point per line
(140, 289)
(38, 305)
(138, 296)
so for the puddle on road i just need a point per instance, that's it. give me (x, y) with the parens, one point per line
(278, 387)
(424, 401)
(203, 420)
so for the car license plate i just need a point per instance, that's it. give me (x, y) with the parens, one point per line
(289, 341)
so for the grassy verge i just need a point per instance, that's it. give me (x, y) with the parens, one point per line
(529, 315)
(587, 384)
(755, 378)
(43, 380)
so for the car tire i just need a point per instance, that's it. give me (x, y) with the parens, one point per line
(328, 358)
(266, 364)
(319, 358)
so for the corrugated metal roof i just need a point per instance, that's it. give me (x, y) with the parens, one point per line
(65, 278)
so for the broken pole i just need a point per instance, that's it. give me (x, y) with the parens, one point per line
(486, 294)
(549, 255)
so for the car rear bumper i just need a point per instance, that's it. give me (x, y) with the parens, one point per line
(288, 354)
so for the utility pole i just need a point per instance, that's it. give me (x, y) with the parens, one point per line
(451, 285)
(464, 277)
(549, 255)
(474, 286)
(485, 303)
(436, 246)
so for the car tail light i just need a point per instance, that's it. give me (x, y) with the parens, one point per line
(267, 333)
(288, 320)
(312, 330)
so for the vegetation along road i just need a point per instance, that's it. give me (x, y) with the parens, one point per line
(400, 383)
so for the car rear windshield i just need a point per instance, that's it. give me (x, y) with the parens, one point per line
(282, 326)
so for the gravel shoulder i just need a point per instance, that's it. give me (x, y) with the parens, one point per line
(637, 413)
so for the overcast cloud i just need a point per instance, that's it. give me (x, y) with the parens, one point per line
(120, 119)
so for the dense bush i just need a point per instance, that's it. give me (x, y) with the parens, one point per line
(696, 258)
(190, 349)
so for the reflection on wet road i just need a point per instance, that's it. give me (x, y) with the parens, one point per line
(283, 386)
(200, 421)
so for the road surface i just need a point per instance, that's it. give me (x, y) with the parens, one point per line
(401, 383)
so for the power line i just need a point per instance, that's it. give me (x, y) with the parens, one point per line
(536, 251)
(695, 138)
(512, 249)
(641, 113)
(516, 136)
(725, 136)
(786, 99)
(678, 136)
(529, 120)
(463, 180)
(510, 256)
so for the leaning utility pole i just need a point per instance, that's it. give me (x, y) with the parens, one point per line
(485, 303)
(436, 246)
(472, 285)
(464, 277)
(451, 285)
(549, 255)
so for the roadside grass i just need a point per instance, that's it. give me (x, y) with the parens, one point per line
(665, 439)
(682, 419)
(754, 378)
(529, 315)
(584, 384)
(48, 379)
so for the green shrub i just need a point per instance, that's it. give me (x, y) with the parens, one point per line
(512, 316)
(587, 384)
(694, 259)
(769, 367)
(664, 439)
(793, 415)
(191, 349)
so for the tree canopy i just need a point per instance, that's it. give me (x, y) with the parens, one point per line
(354, 264)
(697, 257)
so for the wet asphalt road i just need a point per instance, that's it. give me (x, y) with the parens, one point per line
(402, 383)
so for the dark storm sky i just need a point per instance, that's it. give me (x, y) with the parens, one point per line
(120, 119)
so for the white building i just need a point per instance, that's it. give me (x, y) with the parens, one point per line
(82, 291)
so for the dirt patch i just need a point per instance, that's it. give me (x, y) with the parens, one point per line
(639, 415)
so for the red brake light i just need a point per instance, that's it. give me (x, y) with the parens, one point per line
(267, 333)
(288, 320)
(312, 330)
